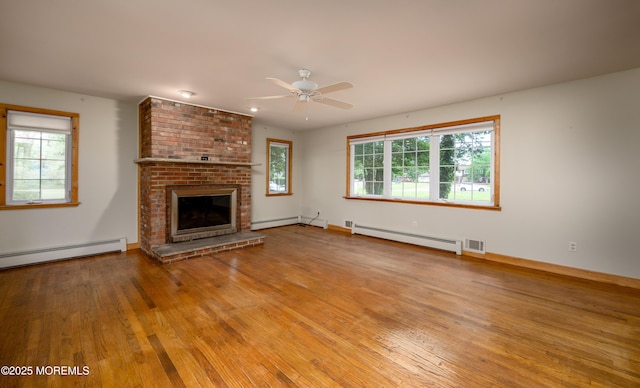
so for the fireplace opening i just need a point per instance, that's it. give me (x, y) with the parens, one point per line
(202, 212)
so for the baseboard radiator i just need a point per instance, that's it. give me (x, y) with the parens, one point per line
(409, 238)
(16, 259)
(257, 225)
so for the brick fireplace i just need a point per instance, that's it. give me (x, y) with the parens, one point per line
(190, 146)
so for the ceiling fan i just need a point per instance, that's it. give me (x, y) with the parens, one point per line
(305, 91)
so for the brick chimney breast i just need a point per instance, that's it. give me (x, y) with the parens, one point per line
(183, 144)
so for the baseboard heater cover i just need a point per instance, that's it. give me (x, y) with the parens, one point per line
(256, 225)
(16, 259)
(410, 238)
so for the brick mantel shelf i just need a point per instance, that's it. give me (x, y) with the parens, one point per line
(204, 162)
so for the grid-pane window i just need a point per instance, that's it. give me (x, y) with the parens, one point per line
(368, 168)
(39, 164)
(448, 163)
(410, 167)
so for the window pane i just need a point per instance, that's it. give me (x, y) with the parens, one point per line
(378, 160)
(39, 166)
(379, 174)
(368, 148)
(25, 190)
(26, 169)
(53, 169)
(410, 159)
(406, 180)
(54, 149)
(279, 166)
(409, 144)
(465, 161)
(422, 143)
(396, 146)
(422, 158)
(53, 189)
(27, 148)
(397, 160)
(373, 163)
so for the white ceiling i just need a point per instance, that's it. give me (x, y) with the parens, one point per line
(400, 55)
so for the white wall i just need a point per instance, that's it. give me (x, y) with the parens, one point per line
(569, 173)
(107, 175)
(266, 209)
(570, 161)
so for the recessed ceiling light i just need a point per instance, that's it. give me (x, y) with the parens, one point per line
(186, 93)
(254, 109)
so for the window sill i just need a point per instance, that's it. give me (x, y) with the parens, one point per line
(278, 195)
(445, 204)
(39, 206)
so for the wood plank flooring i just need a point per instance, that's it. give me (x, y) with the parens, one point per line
(314, 308)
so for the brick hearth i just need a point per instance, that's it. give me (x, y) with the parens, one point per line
(174, 138)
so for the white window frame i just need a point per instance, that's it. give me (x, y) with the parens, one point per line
(434, 132)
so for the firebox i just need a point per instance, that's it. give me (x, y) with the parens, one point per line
(198, 212)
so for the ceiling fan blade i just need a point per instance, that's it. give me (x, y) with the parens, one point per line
(334, 87)
(335, 103)
(267, 97)
(283, 84)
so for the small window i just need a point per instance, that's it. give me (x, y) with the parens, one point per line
(40, 163)
(279, 165)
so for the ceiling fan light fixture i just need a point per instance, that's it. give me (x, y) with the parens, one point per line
(305, 85)
(186, 93)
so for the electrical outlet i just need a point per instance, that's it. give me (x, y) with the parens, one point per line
(573, 246)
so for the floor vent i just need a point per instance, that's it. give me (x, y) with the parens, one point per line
(476, 246)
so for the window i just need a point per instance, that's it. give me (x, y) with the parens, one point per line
(446, 164)
(279, 167)
(38, 157)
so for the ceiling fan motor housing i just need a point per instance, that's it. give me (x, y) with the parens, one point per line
(305, 85)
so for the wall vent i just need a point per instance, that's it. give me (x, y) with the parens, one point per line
(348, 224)
(474, 246)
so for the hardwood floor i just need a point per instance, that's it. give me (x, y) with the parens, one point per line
(314, 308)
